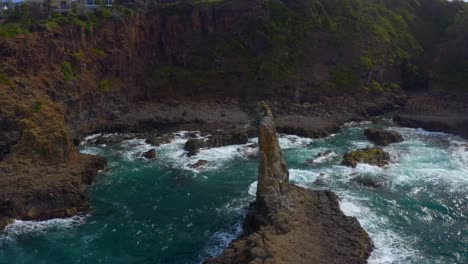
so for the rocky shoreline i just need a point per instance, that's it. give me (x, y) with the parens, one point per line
(38, 190)
(290, 224)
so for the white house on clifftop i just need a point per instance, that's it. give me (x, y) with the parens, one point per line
(65, 6)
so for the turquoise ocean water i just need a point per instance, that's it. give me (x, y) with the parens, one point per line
(162, 211)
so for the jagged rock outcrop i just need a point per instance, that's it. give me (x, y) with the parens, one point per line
(290, 224)
(382, 137)
(150, 154)
(198, 164)
(47, 191)
(372, 156)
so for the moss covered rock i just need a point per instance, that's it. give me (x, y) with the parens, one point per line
(373, 156)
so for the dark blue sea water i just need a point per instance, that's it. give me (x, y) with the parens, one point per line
(161, 211)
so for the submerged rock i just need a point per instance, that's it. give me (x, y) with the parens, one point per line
(368, 181)
(372, 156)
(150, 154)
(382, 137)
(198, 164)
(321, 157)
(290, 224)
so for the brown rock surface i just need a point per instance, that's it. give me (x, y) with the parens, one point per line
(455, 124)
(150, 154)
(306, 126)
(47, 191)
(198, 164)
(382, 137)
(290, 224)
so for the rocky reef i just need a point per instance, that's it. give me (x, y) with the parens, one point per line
(290, 224)
(372, 156)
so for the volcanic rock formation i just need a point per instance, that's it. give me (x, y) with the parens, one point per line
(290, 224)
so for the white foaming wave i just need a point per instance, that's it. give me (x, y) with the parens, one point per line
(89, 138)
(221, 241)
(364, 168)
(431, 165)
(302, 177)
(325, 157)
(391, 248)
(19, 227)
(460, 153)
(253, 188)
(353, 123)
(174, 154)
(91, 150)
(360, 144)
(133, 148)
(292, 141)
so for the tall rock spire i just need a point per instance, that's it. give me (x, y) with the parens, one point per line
(273, 175)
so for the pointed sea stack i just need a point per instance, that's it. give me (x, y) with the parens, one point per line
(290, 224)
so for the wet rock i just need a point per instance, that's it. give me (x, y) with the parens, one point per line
(368, 181)
(382, 137)
(4, 222)
(307, 126)
(226, 138)
(159, 139)
(150, 154)
(320, 182)
(198, 164)
(192, 146)
(110, 139)
(373, 156)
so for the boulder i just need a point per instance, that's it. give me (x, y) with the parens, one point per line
(150, 154)
(193, 145)
(373, 156)
(198, 164)
(368, 181)
(382, 137)
(159, 139)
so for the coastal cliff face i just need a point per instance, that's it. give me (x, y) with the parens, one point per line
(290, 224)
(78, 76)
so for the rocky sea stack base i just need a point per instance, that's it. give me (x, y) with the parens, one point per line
(290, 224)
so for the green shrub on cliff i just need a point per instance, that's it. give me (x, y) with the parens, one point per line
(11, 30)
(67, 71)
(4, 79)
(110, 84)
(344, 78)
